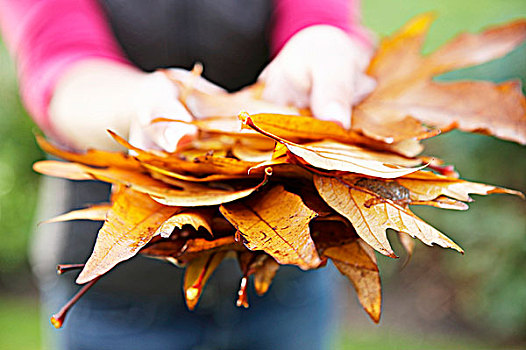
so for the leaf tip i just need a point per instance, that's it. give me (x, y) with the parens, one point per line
(56, 321)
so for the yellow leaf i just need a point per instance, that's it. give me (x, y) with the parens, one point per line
(194, 217)
(354, 261)
(346, 158)
(276, 222)
(130, 224)
(264, 274)
(186, 194)
(406, 97)
(370, 222)
(95, 212)
(197, 273)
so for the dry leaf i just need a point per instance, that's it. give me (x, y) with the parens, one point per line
(194, 217)
(187, 194)
(371, 221)
(197, 273)
(276, 222)
(91, 157)
(426, 186)
(406, 96)
(130, 224)
(264, 274)
(95, 212)
(353, 261)
(346, 158)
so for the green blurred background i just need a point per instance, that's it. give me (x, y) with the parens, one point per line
(441, 300)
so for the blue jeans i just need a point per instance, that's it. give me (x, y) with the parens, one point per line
(294, 314)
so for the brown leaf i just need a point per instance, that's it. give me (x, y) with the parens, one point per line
(194, 217)
(264, 274)
(443, 203)
(250, 154)
(297, 128)
(226, 105)
(409, 245)
(186, 195)
(371, 221)
(406, 96)
(95, 212)
(197, 273)
(346, 158)
(91, 157)
(207, 164)
(130, 224)
(426, 186)
(182, 249)
(276, 222)
(354, 261)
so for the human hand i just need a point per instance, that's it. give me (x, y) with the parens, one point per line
(320, 67)
(97, 95)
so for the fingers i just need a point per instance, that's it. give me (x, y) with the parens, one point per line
(332, 94)
(285, 86)
(195, 81)
(363, 87)
(170, 135)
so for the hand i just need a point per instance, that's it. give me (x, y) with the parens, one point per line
(320, 67)
(96, 95)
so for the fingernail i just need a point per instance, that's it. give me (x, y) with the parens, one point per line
(334, 111)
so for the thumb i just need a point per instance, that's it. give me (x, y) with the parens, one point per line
(331, 99)
(170, 135)
(166, 135)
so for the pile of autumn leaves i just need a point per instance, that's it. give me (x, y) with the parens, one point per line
(272, 189)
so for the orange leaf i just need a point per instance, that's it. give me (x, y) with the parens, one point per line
(197, 273)
(130, 224)
(186, 195)
(371, 222)
(264, 274)
(95, 213)
(195, 218)
(91, 157)
(276, 222)
(426, 186)
(340, 157)
(406, 96)
(359, 265)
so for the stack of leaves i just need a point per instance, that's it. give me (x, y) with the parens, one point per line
(274, 189)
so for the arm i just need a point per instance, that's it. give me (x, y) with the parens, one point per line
(75, 80)
(291, 16)
(46, 39)
(321, 52)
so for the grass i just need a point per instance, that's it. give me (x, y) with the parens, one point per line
(20, 330)
(19, 324)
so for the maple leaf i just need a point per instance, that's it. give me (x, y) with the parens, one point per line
(357, 261)
(185, 194)
(130, 224)
(276, 222)
(406, 96)
(197, 273)
(95, 212)
(342, 158)
(195, 218)
(371, 221)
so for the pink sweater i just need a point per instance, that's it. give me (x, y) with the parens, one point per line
(47, 36)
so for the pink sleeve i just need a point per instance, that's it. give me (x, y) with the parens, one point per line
(46, 37)
(291, 16)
